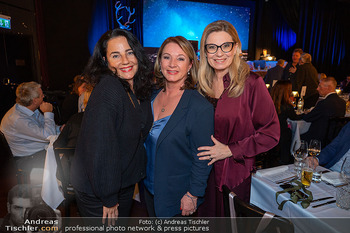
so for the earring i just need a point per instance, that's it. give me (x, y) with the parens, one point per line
(188, 73)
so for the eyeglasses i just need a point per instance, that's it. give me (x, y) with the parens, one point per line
(225, 47)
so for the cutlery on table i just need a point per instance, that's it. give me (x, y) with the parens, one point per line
(321, 199)
(287, 179)
(326, 203)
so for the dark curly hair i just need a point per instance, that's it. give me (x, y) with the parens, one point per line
(98, 66)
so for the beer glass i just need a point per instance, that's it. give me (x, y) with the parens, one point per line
(306, 175)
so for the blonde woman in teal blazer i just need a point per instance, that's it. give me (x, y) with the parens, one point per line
(183, 121)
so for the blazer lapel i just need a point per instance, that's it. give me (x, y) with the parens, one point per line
(178, 114)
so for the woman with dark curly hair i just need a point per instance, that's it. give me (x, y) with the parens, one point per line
(110, 157)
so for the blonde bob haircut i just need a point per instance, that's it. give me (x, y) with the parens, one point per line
(26, 92)
(188, 49)
(238, 70)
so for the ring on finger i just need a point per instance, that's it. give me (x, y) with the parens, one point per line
(210, 158)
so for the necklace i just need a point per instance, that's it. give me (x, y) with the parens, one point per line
(169, 100)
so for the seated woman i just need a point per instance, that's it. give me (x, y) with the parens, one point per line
(281, 93)
(183, 121)
(70, 103)
(69, 135)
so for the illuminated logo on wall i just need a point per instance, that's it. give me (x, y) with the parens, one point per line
(5, 21)
(127, 24)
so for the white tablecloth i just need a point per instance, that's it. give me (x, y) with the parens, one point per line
(51, 191)
(298, 128)
(327, 218)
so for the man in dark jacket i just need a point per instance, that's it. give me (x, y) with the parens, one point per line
(307, 76)
(331, 106)
(291, 69)
(275, 73)
(334, 154)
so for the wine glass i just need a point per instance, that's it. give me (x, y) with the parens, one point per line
(299, 153)
(314, 148)
(314, 151)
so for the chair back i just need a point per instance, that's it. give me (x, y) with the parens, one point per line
(334, 126)
(7, 161)
(249, 218)
(5, 152)
(63, 158)
(4, 147)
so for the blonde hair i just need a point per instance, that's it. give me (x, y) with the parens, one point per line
(86, 97)
(26, 92)
(187, 47)
(321, 76)
(238, 70)
(306, 58)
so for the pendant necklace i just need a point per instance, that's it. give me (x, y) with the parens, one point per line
(163, 105)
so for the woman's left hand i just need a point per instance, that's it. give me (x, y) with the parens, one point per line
(214, 153)
(188, 204)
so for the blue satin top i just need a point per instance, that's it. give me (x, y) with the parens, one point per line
(150, 145)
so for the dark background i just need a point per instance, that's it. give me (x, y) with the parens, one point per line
(49, 40)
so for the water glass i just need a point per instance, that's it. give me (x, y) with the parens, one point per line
(343, 197)
(314, 151)
(300, 153)
(316, 176)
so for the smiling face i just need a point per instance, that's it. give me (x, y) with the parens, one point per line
(174, 64)
(121, 58)
(220, 61)
(296, 57)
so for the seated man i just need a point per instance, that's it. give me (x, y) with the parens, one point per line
(26, 129)
(331, 106)
(275, 73)
(333, 155)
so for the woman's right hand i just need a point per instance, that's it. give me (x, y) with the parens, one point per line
(214, 153)
(110, 213)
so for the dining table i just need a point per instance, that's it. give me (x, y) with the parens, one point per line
(324, 218)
